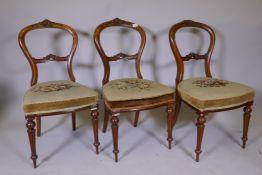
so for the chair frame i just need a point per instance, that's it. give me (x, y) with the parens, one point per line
(180, 75)
(115, 108)
(30, 119)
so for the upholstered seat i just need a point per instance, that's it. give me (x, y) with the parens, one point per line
(134, 89)
(213, 94)
(57, 96)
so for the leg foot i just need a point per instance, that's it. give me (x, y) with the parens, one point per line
(30, 124)
(94, 114)
(200, 131)
(114, 121)
(246, 119)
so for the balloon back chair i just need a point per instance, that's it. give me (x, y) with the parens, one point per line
(207, 94)
(130, 94)
(55, 97)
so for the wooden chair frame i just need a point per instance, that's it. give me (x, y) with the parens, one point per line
(180, 75)
(115, 108)
(30, 124)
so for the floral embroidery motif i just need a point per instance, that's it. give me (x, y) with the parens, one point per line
(52, 87)
(131, 84)
(210, 83)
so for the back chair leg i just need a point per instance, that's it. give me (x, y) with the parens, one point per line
(106, 118)
(246, 119)
(177, 109)
(136, 118)
(94, 114)
(30, 124)
(114, 121)
(38, 126)
(170, 117)
(73, 121)
(200, 131)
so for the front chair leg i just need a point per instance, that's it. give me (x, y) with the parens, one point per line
(73, 121)
(94, 114)
(169, 124)
(106, 118)
(30, 124)
(38, 126)
(114, 121)
(246, 119)
(136, 118)
(200, 131)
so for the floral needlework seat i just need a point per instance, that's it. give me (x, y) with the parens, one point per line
(213, 94)
(134, 89)
(54, 96)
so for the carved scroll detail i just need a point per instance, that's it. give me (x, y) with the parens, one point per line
(194, 56)
(50, 57)
(123, 56)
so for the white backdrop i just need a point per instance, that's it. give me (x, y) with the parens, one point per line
(237, 57)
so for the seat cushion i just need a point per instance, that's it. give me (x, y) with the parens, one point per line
(134, 89)
(214, 94)
(55, 96)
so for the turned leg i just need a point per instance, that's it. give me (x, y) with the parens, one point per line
(246, 119)
(177, 109)
(38, 126)
(114, 121)
(30, 124)
(73, 121)
(136, 118)
(200, 131)
(169, 124)
(94, 114)
(106, 119)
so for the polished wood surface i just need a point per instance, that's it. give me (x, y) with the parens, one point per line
(113, 109)
(180, 76)
(33, 61)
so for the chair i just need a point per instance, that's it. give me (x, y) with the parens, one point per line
(55, 97)
(207, 94)
(130, 94)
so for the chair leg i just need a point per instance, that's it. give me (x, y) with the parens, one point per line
(177, 109)
(114, 121)
(169, 124)
(94, 114)
(30, 124)
(73, 121)
(200, 131)
(246, 119)
(136, 118)
(38, 126)
(106, 119)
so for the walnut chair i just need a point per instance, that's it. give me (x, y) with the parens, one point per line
(207, 94)
(55, 97)
(130, 94)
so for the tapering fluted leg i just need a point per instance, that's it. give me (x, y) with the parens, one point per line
(136, 118)
(73, 121)
(30, 124)
(246, 119)
(106, 119)
(177, 109)
(169, 124)
(200, 131)
(38, 126)
(114, 121)
(94, 114)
